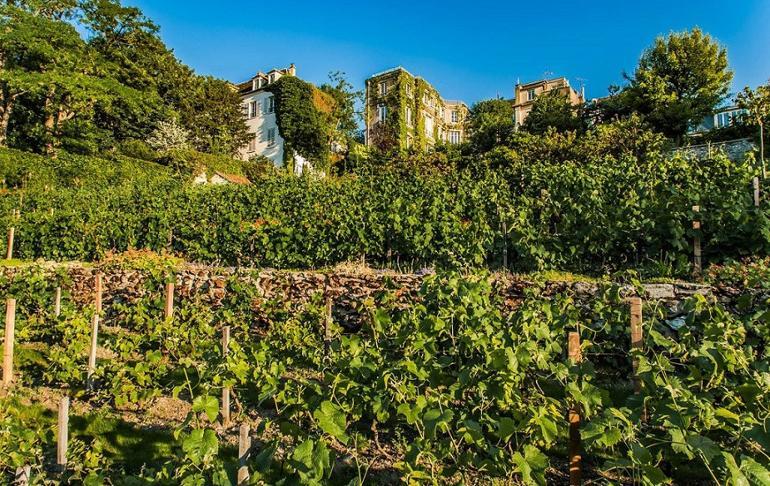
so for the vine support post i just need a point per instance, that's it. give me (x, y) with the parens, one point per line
(636, 337)
(696, 244)
(92, 353)
(575, 458)
(63, 436)
(9, 250)
(225, 389)
(756, 191)
(169, 310)
(505, 245)
(10, 326)
(57, 302)
(244, 451)
(327, 327)
(99, 288)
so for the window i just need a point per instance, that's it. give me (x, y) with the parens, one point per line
(270, 104)
(383, 87)
(272, 78)
(429, 126)
(530, 94)
(382, 113)
(270, 136)
(253, 112)
(409, 89)
(409, 120)
(454, 136)
(253, 144)
(455, 116)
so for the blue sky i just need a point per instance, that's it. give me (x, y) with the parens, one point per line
(467, 50)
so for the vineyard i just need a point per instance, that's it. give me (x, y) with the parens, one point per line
(595, 216)
(446, 385)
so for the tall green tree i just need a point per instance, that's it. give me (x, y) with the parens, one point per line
(757, 104)
(490, 123)
(553, 110)
(680, 79)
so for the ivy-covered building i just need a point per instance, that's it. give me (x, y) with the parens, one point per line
(404, 111)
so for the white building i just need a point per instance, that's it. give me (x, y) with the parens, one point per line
(258, 106)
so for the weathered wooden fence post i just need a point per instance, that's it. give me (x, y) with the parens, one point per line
(92, 353)
(244, 451)
(9, 250)
(756, 191)
(10, 326)
(636, 337)
(696, 226)
(98, 292)
(575, 458)
(505, 245)
(169, 311)
(225, 389)
(327, 327)
(57, 302)
(63, 437)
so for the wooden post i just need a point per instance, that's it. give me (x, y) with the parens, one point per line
(756, 191)
(244, 451)
(99, 290)
(575, 458)
(92, 354)
(57, 302)
(327, 326)
(636, 337)
(696, 226)
(9, 251)
(10, 326)
(226, 389)
(169, 301)
(61, 444)
(505, 245)
(23, 475)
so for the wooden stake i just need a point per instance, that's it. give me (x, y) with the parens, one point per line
(9, 251)
(10, 326)
(505, 245)
(61, 445)
(756, 191)
(244, 451)
(697, 263)
(226, 389)
(92, 354)
(575, 458)
(636, 337)
(169, 301)
(99, 290)
(327, 326)
(57, 302)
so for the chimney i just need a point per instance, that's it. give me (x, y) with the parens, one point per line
(292, 70)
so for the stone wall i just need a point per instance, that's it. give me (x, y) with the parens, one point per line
(346, 289)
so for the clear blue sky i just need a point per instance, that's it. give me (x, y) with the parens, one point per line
(470, 50)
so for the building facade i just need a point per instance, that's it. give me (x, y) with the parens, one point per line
(404, 111)
(526, 94)
(724, 117)
(258, 105)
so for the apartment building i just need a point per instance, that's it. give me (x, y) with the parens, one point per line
(526, 94)
(405, 111)
(258, 105)
(723, 117)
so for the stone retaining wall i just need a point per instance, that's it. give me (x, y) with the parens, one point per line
(347, 289)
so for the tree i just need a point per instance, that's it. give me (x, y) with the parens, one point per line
(345, 100)
(680, 80)
(757, 104)
(168, 135)
(490, 123)
(211, 112)
(552, 110)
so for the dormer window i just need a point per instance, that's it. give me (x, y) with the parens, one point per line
(272, 78)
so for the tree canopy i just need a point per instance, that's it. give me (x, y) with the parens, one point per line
(552, 110)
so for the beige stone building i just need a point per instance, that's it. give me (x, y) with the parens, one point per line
(526, 94)
(405, 111)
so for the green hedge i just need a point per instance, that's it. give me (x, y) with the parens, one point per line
(588, 217)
